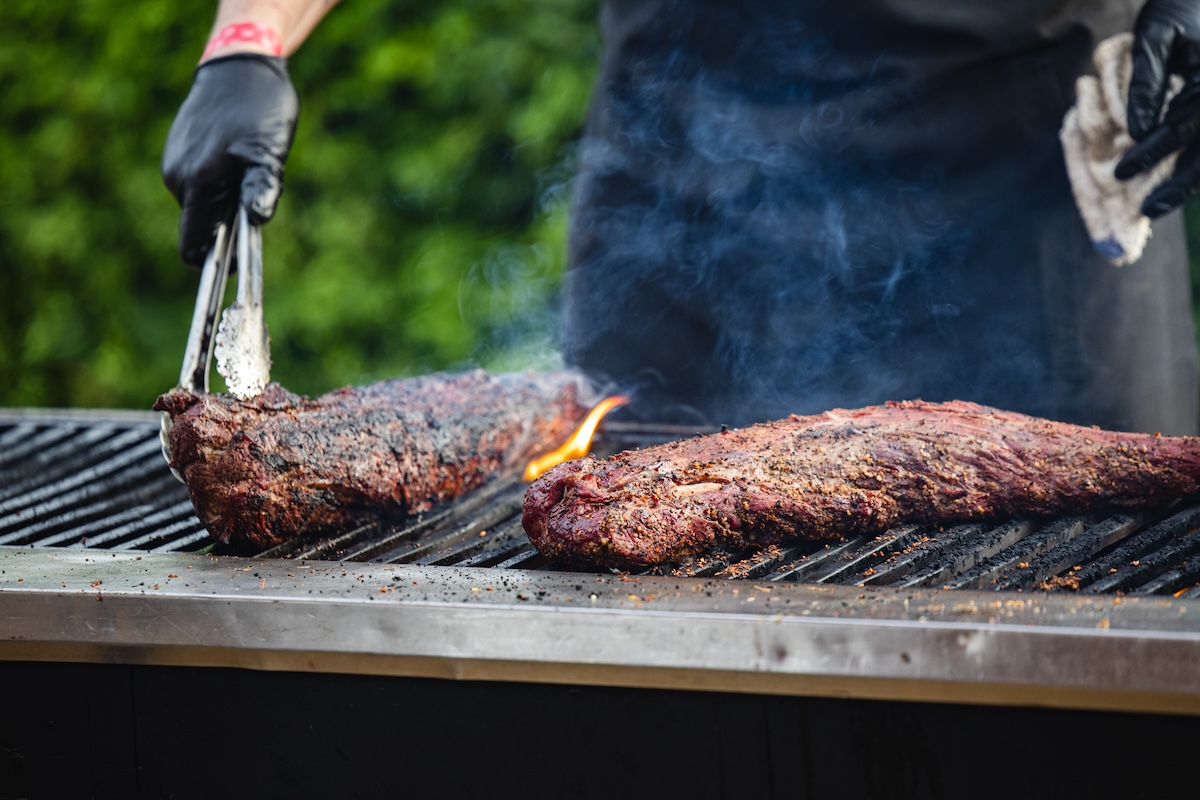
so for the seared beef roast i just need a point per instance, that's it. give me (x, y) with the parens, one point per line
(265, 470)
(843, 473)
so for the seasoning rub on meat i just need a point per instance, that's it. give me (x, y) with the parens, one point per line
(265, 470)
(844, 473)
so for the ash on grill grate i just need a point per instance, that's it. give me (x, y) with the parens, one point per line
(102, 483)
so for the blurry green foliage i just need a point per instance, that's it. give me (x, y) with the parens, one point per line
(422, 225)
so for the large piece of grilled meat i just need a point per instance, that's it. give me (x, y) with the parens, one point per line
(265, 470)
(845, 473)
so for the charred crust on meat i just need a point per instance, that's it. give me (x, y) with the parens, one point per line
(265, 470)
(847, 472)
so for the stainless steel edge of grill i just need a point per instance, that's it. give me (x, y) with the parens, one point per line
(89, 511)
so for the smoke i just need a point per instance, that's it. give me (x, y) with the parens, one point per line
(512, 296)
(517, 319)
(775, 229)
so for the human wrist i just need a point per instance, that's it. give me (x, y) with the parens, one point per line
(243, 37)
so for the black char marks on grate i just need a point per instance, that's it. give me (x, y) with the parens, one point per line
(76, 481)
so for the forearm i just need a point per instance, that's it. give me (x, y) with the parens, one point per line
(230, 139)
(272, 27)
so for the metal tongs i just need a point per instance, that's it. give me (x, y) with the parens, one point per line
(240, 342)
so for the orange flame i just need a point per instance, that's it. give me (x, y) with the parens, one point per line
(577, 446)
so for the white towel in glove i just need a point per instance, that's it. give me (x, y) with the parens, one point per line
(1094, 136)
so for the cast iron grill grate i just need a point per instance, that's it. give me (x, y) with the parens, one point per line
(78, 481)
(98, 481)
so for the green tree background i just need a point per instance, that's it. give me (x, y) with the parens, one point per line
(422, 226)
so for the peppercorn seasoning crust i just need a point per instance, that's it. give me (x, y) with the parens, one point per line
(265, 470)
(846, 473)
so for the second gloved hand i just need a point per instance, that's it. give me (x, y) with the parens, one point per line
(228, 144)
(1166, 42)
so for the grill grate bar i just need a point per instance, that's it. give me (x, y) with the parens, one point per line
(88, 450)
(197, 540)
(968, 554)
(809, 563)
(136, 464)
(92, 516)
(1105, 573)
(874, 551)
(160, 523)
(394, 539)
(101, 517)
(1062, 559)
(1171, 581)
(510, 543)
(1142, 570)
(919, 554)
(50, 482)
(757, 565)
(990, 572)
(704, 566)
(488, 543)
(30, 524)
(170, 536)
(412, 551)
(453, 529)
(321, 548)
(11, 438)
(522, 559)
(25, 444)
(83, 509)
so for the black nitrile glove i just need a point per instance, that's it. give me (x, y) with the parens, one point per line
(234, 130)
(1166, 41)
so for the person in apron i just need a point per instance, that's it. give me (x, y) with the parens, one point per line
(824, 204)
(783, 207)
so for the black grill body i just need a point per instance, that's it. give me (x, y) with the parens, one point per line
(126, 731)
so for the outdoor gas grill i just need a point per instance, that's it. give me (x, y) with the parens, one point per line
(107, 578)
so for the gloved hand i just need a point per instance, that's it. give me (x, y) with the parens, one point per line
(1166, 42)
(228, 143)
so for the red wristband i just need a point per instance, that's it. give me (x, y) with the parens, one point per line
(249, 32)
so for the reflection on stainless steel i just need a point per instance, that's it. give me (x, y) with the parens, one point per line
(1096, 652)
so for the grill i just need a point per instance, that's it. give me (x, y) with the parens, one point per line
(89, 511)
(86, 481)
(883, 662)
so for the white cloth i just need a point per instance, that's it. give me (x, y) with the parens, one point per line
(1094, 136)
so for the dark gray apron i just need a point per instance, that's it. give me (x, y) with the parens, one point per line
(788, 207)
